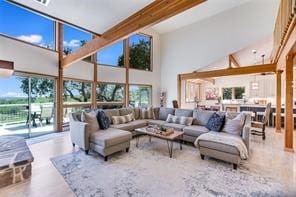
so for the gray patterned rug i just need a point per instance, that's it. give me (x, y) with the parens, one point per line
(148, 171)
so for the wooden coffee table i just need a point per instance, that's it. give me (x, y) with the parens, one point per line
(176, 136)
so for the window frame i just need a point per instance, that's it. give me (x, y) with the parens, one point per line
(123, 53)
(232, 92)
(111, 103)
(54, 48)
(138, 84)
(151, 52)
(81, 104)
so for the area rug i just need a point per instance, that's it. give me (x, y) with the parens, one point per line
(148, 171)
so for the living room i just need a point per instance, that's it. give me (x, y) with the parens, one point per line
(160, 98)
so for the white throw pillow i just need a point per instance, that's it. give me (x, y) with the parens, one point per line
(234, 126)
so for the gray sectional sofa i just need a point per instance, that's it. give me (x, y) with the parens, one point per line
(191, 133)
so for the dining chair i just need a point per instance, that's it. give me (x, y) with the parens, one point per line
(258, 127)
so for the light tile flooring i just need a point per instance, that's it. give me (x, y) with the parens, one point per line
(46, 180)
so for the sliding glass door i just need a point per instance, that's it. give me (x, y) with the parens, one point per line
(27, 105)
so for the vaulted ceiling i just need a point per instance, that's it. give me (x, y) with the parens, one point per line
(100, 15)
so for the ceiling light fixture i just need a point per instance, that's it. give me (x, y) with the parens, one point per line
(6, 68)
(43, 2)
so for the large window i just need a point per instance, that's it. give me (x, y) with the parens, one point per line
(25, 25)
(110, 93)
(140, 51)
(140, 95)
(111, 55)
(233, 93)
(77, 92)
(74, 39)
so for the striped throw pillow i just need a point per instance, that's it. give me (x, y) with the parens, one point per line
(179, 120)
(147, 113)
(123, 119)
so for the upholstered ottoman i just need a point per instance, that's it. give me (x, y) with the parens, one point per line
(109, 141)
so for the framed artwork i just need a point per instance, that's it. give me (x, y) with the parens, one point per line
(212, 93)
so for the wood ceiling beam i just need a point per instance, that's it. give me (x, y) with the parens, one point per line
(233, 61)
(6, 64)
(211, 80)
(229, 72)
(152, 14)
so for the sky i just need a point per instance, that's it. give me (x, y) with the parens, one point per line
(30, 27)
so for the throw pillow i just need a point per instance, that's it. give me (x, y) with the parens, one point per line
(179, 120)
(172, 119)
(91, 119)
(103, 120)
(234, 126)
(147, 113)
(216, 122)
(186, 120)
(123, 119)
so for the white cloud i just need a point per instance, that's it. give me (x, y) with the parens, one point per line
(33, 38)
(72, 43)
(13, 94)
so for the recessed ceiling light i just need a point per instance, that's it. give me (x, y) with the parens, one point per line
(43, 2)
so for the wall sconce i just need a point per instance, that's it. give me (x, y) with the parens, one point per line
(6, 68)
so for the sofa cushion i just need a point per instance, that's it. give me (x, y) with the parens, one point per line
(110, 137)
(111, 112)
(219, 147)
(195, 130)
(147, 113)
(91, 119)
(156, 122)
(137, 112)
(126, 126)
(216, 122)
(184, 112)
(201, 117)
(126, 111)
(156, 112)
(164, 112)
(175, 126)
(139, 123)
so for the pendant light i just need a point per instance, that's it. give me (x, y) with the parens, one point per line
(254, 84)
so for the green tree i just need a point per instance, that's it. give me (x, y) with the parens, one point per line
(40, 87)
(77, 91)
(140, 55)
(110, 93)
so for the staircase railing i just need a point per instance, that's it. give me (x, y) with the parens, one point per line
(284, 21)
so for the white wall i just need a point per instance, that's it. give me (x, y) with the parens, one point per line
(28, 58)
(80, 70)
(204, 42)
